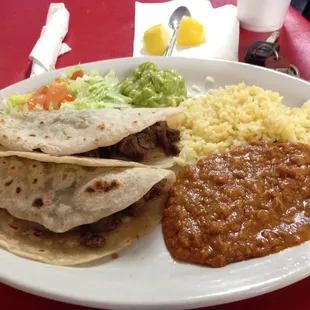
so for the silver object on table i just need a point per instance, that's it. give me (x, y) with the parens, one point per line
(273, 37)
(292, 70)
(174, 23)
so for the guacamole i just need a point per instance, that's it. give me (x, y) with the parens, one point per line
(150, 86)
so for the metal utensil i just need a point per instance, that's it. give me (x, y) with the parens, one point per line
(174, 23)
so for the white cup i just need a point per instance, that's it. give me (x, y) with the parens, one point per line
(262, 15)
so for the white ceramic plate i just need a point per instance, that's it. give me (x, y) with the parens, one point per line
(145, 276)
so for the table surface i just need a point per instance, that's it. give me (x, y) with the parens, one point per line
(104, 29)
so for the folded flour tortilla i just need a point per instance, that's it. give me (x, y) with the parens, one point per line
(47, 208)
(78, 132)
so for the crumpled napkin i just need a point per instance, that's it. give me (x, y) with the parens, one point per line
(221, 27)
(49, 46)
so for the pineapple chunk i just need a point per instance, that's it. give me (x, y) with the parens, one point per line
(156, 40)
(190, 32)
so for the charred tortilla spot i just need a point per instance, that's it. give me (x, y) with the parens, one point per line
(41, 250)
(135, 122)
(107, 186)
(89, 190)
(84, 139)
(42, 123)
(4, 136)
(46, 137)
(12, 226)
(18, 190)
(103, 186)
(8, 183)
(12, 168)
(38, 202)
(32, 135)
(35, 181)
(100, 126)
(34, 166)
(68, 137)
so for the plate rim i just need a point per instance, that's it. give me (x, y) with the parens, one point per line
(153, 59)
(188, 303)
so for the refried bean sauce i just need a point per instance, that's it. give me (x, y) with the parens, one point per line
(249, 202)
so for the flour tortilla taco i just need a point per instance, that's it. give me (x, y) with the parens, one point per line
(66, 213)
(139, 134)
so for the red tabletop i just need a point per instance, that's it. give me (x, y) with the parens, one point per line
(104, 29)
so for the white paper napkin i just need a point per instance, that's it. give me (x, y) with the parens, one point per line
(49, 46)
(221, 27)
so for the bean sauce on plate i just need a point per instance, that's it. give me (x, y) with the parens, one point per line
(249, 202)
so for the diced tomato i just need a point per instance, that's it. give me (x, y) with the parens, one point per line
(42, 90)
(31, 106)
(69, 98)
(45, 105)
(55, 94)
(76, 74)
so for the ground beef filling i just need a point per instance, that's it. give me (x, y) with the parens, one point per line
(137, 146)
(249, 202)
(92, 235)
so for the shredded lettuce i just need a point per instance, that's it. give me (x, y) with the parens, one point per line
(93, 91)
(13, 103)
(51, 106)
(18, 99)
